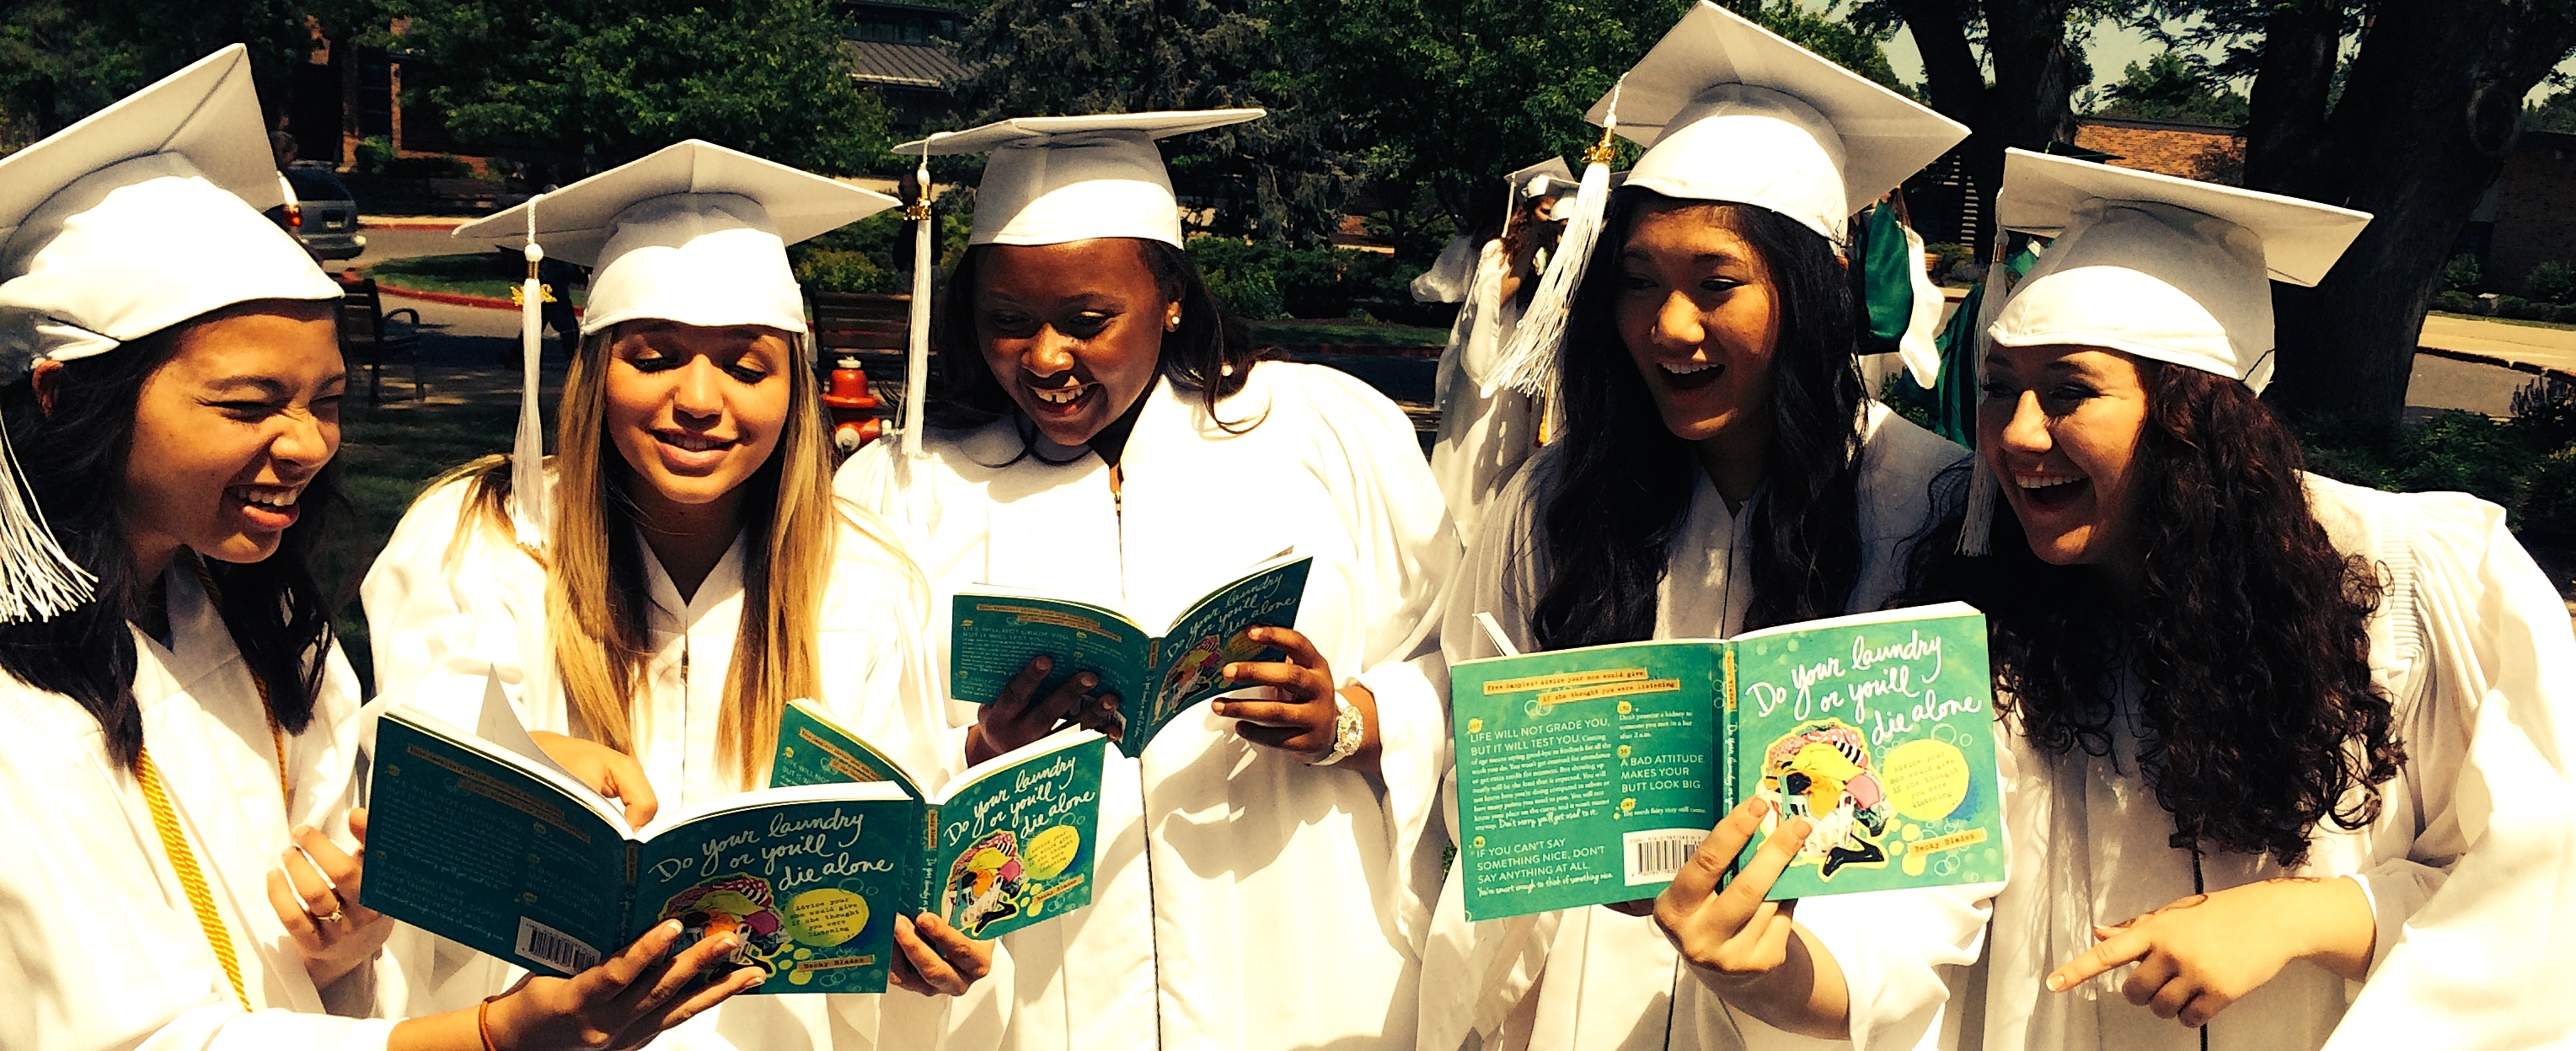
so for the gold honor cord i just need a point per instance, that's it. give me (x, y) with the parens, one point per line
(191, 879)
(174, 841)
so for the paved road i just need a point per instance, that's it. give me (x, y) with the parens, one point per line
(2553, 348)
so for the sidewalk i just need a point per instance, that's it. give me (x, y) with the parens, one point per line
(2524, 348)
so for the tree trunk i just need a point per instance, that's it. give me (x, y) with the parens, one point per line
(2427, 114)
(1958, 90)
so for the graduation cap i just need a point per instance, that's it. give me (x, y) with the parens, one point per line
(1547, 178)
(139, 217)
(693, 232)
(1730, 111)
(1051, 180)
(2159, 267)
(1056, 179)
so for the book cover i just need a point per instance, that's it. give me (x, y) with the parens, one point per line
(1590, 776)
(1008, 843)
(995, 632)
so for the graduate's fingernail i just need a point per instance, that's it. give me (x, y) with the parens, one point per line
(2056, 984)
(1087, 680)
(300, 831)
(1220, 707)
(1232, 670)
(1043, 663)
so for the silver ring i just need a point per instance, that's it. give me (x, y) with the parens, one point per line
(338, 913)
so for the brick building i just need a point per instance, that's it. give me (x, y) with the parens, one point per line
(2529, 215)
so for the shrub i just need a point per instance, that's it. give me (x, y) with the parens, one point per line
(2553, 281)
(1949, 256)
(433, 166)
(833, 270)
(2463, 274)
(2549, 497)
(2455, 302)
(372, 153)
(2545, 410)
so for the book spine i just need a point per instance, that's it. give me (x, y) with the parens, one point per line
(1727, 727)
(922, 900)
(626, 899)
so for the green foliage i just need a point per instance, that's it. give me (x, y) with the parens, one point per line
(2526, 464)
(2556, 113)
(2176, 86)
(1285, 179)
(2553, 281)
(1260, 280)
(834, 271)
(614, 79)
(61, 60)
(2463, 273)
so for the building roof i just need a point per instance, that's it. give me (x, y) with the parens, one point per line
(2207, 152)
(902, 65)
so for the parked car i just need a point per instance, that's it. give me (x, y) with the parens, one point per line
(323, 215)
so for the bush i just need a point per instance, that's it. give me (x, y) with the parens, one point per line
(2463, 274)
(1262, 281)
(373, 151)
(1241, 274)
(1948, 257)
(2549, 499)
(2456, 302)
(830, 270)
(433, 166)
(2553, 281)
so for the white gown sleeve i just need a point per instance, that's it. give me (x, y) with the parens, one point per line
(438, 625)
(1399, 526)
(2476, 931)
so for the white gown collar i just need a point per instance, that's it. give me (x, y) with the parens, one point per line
(722, 582)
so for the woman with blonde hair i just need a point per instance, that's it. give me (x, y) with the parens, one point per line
(651, 602)
(178, 729)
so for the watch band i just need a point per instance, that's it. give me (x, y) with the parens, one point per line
(1350, 730)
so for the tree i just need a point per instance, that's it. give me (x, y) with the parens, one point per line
(61, 61)
(2556, 113)
(1284, 179)
(2415, 132)
(2174, 86)
(611, 80)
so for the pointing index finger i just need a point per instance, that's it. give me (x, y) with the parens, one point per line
(2126, 947)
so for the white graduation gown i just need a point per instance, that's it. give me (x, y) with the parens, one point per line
(1482, 440)
(1279, 904)
(1609, 981)
(439, 626)
(99, 947)
(2470, 869)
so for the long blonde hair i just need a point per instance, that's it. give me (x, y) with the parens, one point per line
(596, 596)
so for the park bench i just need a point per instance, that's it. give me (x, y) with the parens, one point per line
(871, 327)
(364, 336)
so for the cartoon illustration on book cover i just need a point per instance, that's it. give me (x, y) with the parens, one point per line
(1821, 771)
(740, 904)
(988, 878)
(1203, 664)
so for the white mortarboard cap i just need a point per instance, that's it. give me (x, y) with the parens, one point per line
(1548, 178)
(1056, 179)
(139, 217)
(143, 215)
(2163, 268)
(693, 232)
(1729, 111)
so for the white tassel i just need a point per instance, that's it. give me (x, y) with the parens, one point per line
(1529, 363)
(1916, 348)
(527, 453)
(916, 362)
(38, 579)
(1983, 489)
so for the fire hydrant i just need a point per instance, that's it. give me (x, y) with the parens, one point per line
(852, 408)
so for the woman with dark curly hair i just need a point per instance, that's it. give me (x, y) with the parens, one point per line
(1106, 432)
(2269, 734)
(1720, 469)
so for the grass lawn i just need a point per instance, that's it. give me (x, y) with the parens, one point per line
(485, 274)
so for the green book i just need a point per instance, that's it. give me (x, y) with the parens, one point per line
(1590, 776)
(1006, 844)
(491, 845)
(993, 633)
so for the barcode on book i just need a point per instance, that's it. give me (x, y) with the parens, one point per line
(554, 948)
(1653, 856)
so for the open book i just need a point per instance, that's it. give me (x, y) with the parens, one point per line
(994, 632)
(1590, 776)
(481, 839)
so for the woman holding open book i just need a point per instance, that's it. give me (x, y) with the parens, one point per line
(1106, 434)
(652, 602)
(178, 729)
(2271, 735)
(1720, 469)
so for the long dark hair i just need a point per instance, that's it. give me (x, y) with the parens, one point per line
(1623, 481)
(2249, 636)
(1211, 353)
(74, 461)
